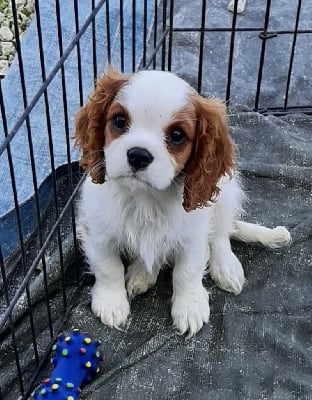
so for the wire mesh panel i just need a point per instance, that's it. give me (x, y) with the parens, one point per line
(65, 48)
(250, 59)
(56, 64)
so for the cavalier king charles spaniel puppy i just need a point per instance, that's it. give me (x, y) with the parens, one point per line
(162, 188)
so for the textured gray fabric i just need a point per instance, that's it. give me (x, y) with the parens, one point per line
(257, 345)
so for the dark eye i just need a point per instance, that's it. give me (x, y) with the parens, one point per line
(119, 122)
(176, 136)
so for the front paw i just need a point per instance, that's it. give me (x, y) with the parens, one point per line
(138, 280)
(110, 305)
(227, 272)
(190, 311)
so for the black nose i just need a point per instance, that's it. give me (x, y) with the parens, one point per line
(139, 158)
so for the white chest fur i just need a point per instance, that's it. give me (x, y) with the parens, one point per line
(150, 225)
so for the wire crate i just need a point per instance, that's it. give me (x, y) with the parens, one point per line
(66, 47)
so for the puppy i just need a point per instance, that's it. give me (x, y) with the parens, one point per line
(162, 187)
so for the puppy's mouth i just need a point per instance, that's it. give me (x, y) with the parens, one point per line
(134, 181)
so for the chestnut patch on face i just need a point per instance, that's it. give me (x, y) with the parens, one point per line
(91, 120)
(180, 134)
(117, 122)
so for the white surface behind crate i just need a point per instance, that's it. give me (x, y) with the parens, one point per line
(12, 90)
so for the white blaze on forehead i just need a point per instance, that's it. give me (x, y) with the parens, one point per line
(151, 99)
(154, 96)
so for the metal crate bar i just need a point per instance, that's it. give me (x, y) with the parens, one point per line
(50, 77)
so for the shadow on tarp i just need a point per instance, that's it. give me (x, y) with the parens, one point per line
(9, 233)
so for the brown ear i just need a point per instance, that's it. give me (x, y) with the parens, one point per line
(213, 154)
(90, 124)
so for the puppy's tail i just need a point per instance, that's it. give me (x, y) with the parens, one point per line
(273, 238)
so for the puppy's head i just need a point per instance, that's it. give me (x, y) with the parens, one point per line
(149, 129)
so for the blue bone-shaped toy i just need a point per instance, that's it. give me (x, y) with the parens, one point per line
(76, 361)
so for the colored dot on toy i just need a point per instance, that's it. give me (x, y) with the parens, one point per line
(98, 370)
(88, 364)
(69, 398)
(54, 347)
(42, 392)
(69, 385)
(97, 354)
(87, 340)
(75, 330)
(46, 380)
(55, 386)
(82, 350)
(67, 339)
(64, 352)
(58, 379)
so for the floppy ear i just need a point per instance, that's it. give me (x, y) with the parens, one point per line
(213, 154)
(90, 124)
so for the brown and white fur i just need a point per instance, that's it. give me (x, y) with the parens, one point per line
(162, 187)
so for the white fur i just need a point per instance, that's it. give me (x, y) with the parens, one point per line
(143, 216)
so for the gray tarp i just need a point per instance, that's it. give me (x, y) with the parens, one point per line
(257, 345)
